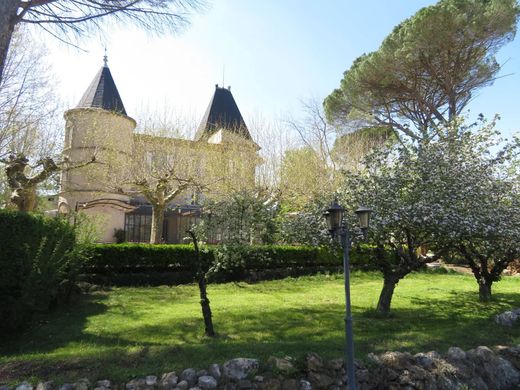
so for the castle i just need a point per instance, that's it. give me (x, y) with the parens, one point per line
(100, 125)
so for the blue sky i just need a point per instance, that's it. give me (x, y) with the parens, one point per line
(275, 53)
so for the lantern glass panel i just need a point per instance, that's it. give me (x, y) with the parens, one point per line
(363, 214)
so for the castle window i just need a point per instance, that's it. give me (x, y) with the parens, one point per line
(138, 227)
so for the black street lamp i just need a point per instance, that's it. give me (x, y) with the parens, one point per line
(334, 217)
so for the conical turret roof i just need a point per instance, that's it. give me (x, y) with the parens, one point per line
(222, 113)
(102, 93)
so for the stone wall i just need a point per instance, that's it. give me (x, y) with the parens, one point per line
(480, 369)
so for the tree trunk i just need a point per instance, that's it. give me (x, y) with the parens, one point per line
(385, 298)
(8, 16)
(156, 233)
(204, 301)
(25, 199)
(206, 309)
(484, 289)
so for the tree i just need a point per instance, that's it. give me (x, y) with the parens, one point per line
(201, 277)
(304, 177)
(474, 178)
(393, 185)
(351, 148)
(23, 179)
(64, 17)
(243, 217)
(428, 69)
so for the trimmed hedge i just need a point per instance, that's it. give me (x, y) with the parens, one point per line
(34, 257)
(138, 264)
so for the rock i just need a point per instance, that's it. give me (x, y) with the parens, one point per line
(214, 371)
(512, 354)
(508, 318)
(290, 384)
(258, 378)
(396, 360)
(507, 375)
(305, 385)
(270, 384)
(45, 385)
(362, 375)
(240, 368)
(455, 353)
(335, 364)
(151, 380)
(245, 384)
(4, 387)
(314, 362)
(66, 386)
(168, 380)
(136, 384)
(281, 365)
(320, 381)
(190, 376)
(195, 388)
(182, 385)
(207, 382)
(202, 373)
(82, 384)
(24, 386)
(424, 360)
(104, 383)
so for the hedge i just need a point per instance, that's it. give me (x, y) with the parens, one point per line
(34, 257)
(138, 264)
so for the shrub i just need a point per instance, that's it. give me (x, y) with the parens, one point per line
(158, 264)
(35, 258)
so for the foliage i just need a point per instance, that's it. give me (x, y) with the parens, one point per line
(351, 148)
(126, 333)
(304, 177)
(304, 227)
(428, 69)
(473, 178)
(36, 256)
(453, 196)
(241, 218)
(138, 264)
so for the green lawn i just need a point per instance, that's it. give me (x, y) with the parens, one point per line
(127, 332)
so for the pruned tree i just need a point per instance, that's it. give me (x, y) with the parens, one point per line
(23, 179)
(63, 18)
(428, 69)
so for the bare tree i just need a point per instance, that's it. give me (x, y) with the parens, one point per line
(62, 18)
(28, 104)
(314, 131)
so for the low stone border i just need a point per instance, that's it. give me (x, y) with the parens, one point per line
(479, 368)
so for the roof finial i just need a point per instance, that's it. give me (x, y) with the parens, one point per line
(105, 58)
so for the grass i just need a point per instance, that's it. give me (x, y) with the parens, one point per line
(126, 332)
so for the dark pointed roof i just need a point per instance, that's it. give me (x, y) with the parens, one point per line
(102, 93)
(222, 113)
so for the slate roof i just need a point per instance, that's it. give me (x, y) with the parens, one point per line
(222, 113)
(102, 93)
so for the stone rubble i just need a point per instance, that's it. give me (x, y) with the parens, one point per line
(508, 318)
(480, 368)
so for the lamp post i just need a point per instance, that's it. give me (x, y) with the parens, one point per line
(334, 217)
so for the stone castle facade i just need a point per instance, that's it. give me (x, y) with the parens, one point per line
(100, 126)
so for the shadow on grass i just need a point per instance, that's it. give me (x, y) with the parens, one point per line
(174, 343)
